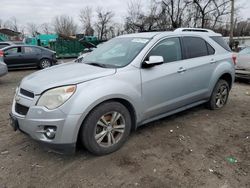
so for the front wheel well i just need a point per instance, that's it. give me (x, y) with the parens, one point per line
(124, 102)
(130, 108)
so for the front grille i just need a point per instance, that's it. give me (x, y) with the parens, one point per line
(27, 93)
(20, 109)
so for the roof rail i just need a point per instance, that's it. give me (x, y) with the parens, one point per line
(194, 30)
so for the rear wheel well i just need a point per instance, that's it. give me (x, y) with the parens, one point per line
(228, 78)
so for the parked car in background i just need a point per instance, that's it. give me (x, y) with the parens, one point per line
(5, 44)
(89, 48)
(243, 64)
(3, 68)
(27, 56)
(9, 43)
(242, 47)
(126, 82)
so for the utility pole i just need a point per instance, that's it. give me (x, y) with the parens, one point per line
(231, 24)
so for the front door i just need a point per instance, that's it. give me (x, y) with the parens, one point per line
(13, 56)
(163, 85)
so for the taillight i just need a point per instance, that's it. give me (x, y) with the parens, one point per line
(234, 58)
(1, 53)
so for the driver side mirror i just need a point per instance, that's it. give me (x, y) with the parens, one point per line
(152, 61)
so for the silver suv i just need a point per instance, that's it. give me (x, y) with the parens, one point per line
(126, 82)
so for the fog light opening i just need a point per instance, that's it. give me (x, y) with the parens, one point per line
(50, 132)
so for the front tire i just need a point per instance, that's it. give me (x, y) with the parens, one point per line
(106, 128)
(219, 96)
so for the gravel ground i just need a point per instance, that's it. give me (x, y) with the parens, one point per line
(190, 149)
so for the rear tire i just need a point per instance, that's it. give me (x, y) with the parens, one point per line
(45, 63)
(106, 128)
(219, 96)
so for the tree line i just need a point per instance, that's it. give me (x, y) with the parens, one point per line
(157, 15)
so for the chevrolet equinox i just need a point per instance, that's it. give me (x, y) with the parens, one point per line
(127, 82)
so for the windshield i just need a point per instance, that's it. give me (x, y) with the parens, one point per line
(117, 52)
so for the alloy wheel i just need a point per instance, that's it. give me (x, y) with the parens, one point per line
(45, 63)
(221, 96)
(109, 129)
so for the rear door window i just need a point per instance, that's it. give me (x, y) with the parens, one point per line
(29, 50)
(195, 47)
(210, 49)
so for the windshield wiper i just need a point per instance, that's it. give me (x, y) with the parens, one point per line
(97, 64)
(101, 65)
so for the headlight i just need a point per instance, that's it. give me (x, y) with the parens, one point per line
(56, 97)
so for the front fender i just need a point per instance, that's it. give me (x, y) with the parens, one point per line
(92, 93)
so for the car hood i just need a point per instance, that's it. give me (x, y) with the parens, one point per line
(65, 74)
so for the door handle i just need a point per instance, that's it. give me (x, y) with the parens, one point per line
(212, 61)
(181, 69)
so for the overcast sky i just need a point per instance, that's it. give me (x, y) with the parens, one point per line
(40, 11)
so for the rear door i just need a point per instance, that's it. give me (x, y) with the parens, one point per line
(200, 63)
(13, 56)
(181, 80)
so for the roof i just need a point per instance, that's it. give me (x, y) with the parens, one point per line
(142, 35)
(23, 45)
(9, 32)
(189, 31)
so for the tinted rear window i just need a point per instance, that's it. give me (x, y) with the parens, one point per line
(195, 47)
(221, 42)
(29, 49)
(210, 49)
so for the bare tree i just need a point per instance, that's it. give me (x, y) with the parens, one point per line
(242, 28)
(12, 24)
(32, 29)
(151, 17)
(211, 10)
(221, 9)
(64, 25)
(135, 17)
(175, 9)
(46, 28)
(203, 6)
(118, 29)
(104, 20)
(86, 16)
(140, 18)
